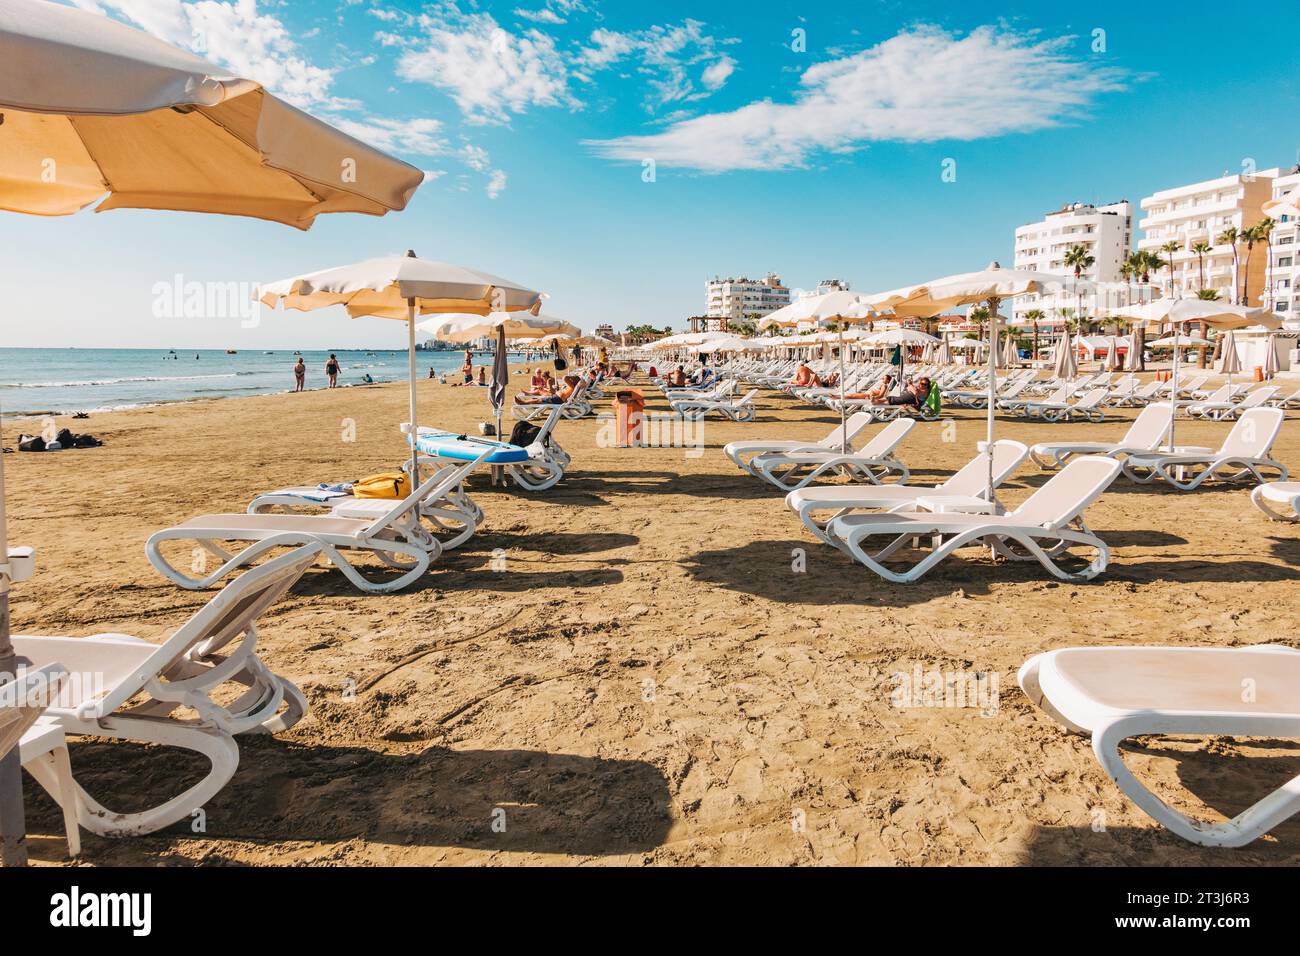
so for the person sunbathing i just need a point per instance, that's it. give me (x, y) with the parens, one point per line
(878, 395)
(803, 376)
(915, 394)
(561, 396)
(830, 381)
(677, 377)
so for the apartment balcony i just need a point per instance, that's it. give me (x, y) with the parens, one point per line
(1217, 207)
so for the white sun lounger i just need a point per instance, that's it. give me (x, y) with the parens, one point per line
(574, 407)
(741, 410)
(840, 437)
(129, 689)
(394, 535)
(1054, 514)
(1218, 411)
(1089, 406)
(1145, 434)
(873, 462)
(1272, 493)
(970, 481)
(1114, 693)
(1243, 454)
(23, 700)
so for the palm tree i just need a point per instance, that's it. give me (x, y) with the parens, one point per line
(1264, 233)
(1035, 316)
(1127, 271)
(1230, 237)
(1078, 258)
(1201, 247)
(1208, 295)
(1171, 247)
(1250, 236)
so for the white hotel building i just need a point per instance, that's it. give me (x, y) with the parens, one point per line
(736, 298)
(1105, 231)
(1282, 281)
(1200, 212)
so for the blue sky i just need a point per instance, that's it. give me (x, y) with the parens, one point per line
(534, 118)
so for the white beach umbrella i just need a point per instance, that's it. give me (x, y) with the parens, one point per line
(987, 287)
(903, 339)
(1229, 362)
(1271, 364)
(1010, 354)
(1288, 205)
(1210, 313)
(1133, 358)
(402, 287)
(1181, 341)
(1112, 355)
(120, 114)
(1063, 364)
(944, 355)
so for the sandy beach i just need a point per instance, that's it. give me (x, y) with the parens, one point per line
(638, 666)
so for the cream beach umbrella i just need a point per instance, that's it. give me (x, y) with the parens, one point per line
(498, 326)
(1271, 364)
(91, 108)
(1010, 354)
(1133, 359)
(944, 353)
(986, 287)
(1112, 355)
(1209, 313)
(402, 288)
(1063, 364)
(1229, 362)
(904, 339)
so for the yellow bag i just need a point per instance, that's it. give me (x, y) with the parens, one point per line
(387, 484)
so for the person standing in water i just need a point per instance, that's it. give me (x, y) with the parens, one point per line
(300, 375)
(332, 370)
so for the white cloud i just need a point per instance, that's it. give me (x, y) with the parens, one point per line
(489, 71)
(496, 184)
(922, 85)
(418, 137)
(716, 74)
(544, 15)
(475, 157)
(663, 54)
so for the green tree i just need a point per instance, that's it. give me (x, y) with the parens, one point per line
(1230, 237)
(1201, 248)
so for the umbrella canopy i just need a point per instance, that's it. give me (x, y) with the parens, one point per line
(1010, 354)
(1181, 341)
(385, 288)
(466, 327)
(1229, 362)
(1063, 364)
(1112, 355)
(123, 114)
(154, 127)
(988, 286)
(1288, 205)
(733, 344)
(813, 308)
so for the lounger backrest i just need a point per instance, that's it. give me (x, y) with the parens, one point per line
(886, 440)
(1091, 399)
(1220, 394)
(548, 425)
(747, 398)
(230, 614)
(1258, 397)
(1149, 428)
(1150, 388)
(844, 434)
(1061, 395)
(1254, 433)
(972, 479)
(1069, 492)
(24, 698)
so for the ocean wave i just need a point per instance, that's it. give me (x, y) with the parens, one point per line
(120, 381)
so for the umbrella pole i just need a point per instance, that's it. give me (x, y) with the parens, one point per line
(13, 823)
(1173, 398)
(415, 431)
(844, 428)
(993, 388)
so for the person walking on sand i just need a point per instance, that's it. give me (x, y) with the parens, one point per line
(300, 375)
(332, 370)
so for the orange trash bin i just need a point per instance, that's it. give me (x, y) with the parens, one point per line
(629, 419)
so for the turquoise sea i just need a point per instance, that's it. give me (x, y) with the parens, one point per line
(34, 381)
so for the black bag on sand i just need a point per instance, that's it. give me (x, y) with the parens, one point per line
(31, 443)
(524, 434)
